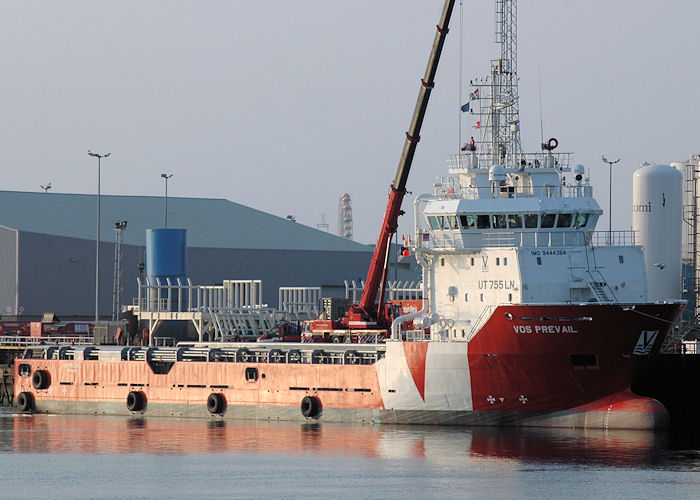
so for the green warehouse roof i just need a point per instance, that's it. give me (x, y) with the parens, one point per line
(210, 222)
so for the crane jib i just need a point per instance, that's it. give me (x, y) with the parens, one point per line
(398, 188)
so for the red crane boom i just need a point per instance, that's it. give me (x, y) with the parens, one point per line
(378, 265)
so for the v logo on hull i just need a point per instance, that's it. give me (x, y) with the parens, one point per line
(645, 342)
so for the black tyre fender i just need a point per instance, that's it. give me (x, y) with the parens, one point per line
(40, 379)
(216, 403)
(135, 401)
(25, 401)
(310, 406)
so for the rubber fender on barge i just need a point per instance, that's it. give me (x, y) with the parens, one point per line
(25, 401)
(135, 401)
(309, 406)
(216, 403)
(40, 379)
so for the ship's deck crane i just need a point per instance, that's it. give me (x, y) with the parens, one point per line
(365, 313)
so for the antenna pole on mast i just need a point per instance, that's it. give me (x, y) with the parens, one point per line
(499, 121)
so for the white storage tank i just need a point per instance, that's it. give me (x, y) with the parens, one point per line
(657, 219)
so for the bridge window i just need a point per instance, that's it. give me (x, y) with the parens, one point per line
(531, 220)
(548, 220)
(498, 261)
(452, 221)
(499, 221)
(580, 220)
(442, 221)
(433, 222)
(483, 222)
(515, 221)
(468, 221)
(505, 261)
(564, 220)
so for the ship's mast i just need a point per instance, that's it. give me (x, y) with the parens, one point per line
(498, 117)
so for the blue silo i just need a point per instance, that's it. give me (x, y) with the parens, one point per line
(166, 257)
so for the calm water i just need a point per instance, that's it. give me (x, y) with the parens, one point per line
(86, 457)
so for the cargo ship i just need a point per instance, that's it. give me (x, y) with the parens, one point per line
(528, 317)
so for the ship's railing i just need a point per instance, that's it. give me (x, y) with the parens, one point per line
(223, 353)
(243, 322)
(415, 335)
(398, 290)
(541, 239)
(300, 303)
(19, 341)
(496, 239)
(447, 191)
(446, 188)
(481, 321)
(576, 191)
(612, 238)
(481, 160)
(232, 310)
(180, 295)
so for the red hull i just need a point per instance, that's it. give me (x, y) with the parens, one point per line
(562, 365)
(541, 358)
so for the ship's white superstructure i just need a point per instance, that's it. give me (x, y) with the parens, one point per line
(525, 236)
(510, 227)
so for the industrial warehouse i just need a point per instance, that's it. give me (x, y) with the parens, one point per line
(48, 250)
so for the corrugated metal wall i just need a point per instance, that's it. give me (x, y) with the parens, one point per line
(57, 274)
(276, 268)
(8, 270)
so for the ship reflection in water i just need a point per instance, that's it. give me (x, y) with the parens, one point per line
(114, 435)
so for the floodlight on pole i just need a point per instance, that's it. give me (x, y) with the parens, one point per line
(117, 289)
(166, 177)
(97, 243)
(610, 164)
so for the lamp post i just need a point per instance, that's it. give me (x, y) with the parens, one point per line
(166, 177)
(117, 289)
(97, 244)
(610, 164)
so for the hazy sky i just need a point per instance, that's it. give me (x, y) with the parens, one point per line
(283, 106)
